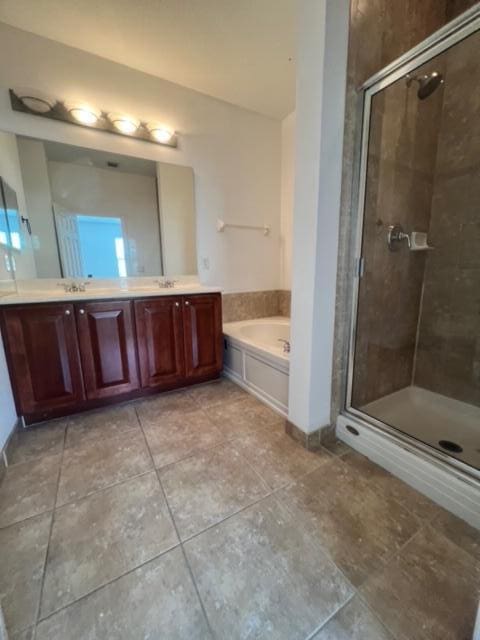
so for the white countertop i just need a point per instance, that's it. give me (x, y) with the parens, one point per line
(96, 293)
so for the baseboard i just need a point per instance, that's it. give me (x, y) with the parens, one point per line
(6, 447)
(450, 488)
(311, 441)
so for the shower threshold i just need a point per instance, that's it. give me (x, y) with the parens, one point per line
(432, 418)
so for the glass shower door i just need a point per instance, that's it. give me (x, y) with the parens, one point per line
(416, 360)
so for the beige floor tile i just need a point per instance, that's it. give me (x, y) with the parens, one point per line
(99, 463)
(103, 536)
(354, 621)
(28, 489)
(217, 392)
(156, 601)
(413, 500)
(244, 416)
(360, 528)
(178, 436)
(153, 410)
(429, 590)
(277, 457)
(261, 576)
(209, 486)
(459, 532)
(105, 423)
(34, 442)
(22, 555)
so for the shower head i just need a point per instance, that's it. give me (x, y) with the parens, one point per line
(427, 84)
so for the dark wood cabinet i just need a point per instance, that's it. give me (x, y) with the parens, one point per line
(159, 325)
(65, 358)
(42, 346)
(202, 321)
(107, 346)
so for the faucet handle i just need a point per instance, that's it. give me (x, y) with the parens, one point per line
(286, 345)
(82, 285)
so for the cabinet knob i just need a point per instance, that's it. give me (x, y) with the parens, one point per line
(67, 312)
(187, 303)
(177, 304)
(81, 312)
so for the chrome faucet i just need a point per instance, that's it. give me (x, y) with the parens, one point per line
(166, 283)
(286, 345)
(73, 287)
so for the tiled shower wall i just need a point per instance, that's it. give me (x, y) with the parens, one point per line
(448, 352)
(255, 304)
(380, 31)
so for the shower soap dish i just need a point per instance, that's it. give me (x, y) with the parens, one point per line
(419, 241)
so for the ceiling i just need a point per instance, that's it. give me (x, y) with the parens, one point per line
(240, 51)
(59, 152)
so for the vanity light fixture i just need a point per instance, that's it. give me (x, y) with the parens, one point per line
(83, 113)
(125, 124)
(35, 100)
(159, 132)
(86, 115)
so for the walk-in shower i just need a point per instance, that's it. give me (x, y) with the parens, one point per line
(414, 365)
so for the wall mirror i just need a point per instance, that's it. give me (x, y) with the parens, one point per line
(95, 214)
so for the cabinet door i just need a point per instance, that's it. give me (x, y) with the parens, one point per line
(203, 335)
(107, 347)
(44, 359)
(160, 341)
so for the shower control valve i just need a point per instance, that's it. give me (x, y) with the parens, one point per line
(395, 236)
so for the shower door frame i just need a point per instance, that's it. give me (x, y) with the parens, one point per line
(452, 33)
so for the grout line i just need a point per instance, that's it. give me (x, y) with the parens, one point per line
(44, 571)
(377, 617)
(108, 583)
(27, 519)
(189, 569)
(375, 485)
(312, 635)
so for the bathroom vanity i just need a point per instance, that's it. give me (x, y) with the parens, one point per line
(70, 354)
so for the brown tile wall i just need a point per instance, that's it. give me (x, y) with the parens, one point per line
(380, 31)
(255, 304)
(448, 352)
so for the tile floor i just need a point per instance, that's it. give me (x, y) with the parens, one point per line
(192, 515)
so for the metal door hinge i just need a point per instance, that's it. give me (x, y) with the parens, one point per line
(359, 267)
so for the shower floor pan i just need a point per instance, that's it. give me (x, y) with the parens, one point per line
(432, 418)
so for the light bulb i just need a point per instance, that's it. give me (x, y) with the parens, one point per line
(124, 124)
(159, 132)
(83, 113)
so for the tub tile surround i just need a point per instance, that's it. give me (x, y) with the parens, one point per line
(251, 305)
(244, 532)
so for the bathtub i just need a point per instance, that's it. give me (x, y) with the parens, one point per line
(254, 358)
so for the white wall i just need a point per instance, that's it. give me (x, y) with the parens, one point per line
(287, 198)
(33, 161)
(10, 171)
(321, 82)
(8, 415)
(235, 153)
